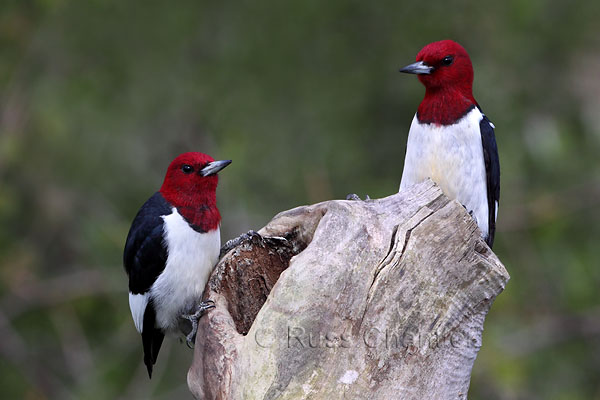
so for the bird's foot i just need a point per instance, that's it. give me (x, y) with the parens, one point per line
(355, 197)
(194, 318)
(469, 211)
(230, 244)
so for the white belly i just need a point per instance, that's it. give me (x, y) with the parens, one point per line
(192, 257)
(452, 156)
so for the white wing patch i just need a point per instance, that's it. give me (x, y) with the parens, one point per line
(137, 304)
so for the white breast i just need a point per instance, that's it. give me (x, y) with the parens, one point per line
(191, 258)
(452, 156)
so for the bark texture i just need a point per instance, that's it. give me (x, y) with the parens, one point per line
(381, 299)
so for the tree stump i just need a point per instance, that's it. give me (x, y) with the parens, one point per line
(378, 299)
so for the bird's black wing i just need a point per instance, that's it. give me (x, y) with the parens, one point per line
(144, 259)
(145, 252)
(492, 170)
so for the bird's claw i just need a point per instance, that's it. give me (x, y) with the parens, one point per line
(230, 244)
(251, 234)
(467, 210)
(355, 197)
(194, 318)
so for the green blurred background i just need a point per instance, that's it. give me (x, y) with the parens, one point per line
(97, 97)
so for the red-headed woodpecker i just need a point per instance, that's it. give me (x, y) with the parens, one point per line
(450, 140)
(172, 247)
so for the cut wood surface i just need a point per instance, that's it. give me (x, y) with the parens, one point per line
(379, 299)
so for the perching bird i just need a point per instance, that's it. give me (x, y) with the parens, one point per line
(450, 140)
(172, 247)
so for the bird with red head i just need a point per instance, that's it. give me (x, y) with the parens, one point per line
(451, 140)
(171, 249)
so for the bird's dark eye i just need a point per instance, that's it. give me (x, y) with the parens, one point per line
(447, 60)
(187, 169)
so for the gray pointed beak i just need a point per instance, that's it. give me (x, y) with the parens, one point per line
(214, 167)
(419, 68)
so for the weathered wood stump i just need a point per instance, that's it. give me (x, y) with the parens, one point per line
(380, 299)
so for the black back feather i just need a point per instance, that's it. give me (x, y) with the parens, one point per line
(492, 171)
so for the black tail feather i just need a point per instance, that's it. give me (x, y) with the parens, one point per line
(152, 338)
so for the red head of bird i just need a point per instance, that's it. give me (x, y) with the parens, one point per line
(190, 185)
(445, 69)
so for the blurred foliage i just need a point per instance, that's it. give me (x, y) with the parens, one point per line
(98, 96)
